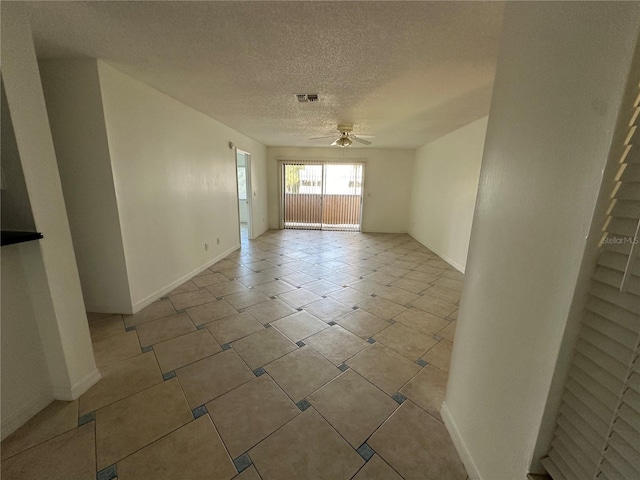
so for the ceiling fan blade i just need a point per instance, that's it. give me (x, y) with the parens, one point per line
(335, 142)
(359, 140)
(323, 137)
(366, 135)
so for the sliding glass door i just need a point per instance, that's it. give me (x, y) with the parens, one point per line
(322, 195)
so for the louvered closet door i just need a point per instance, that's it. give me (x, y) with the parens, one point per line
(598, 430)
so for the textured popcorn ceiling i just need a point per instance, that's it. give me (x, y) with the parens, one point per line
(408, 72)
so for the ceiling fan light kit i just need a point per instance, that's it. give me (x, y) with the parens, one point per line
(346, 138)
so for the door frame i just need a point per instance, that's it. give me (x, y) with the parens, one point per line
(247, 166)
(284, 160)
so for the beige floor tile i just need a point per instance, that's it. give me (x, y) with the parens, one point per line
(406, 341)
(247, 298)
(299, 326)
(68, 456)
(193, 452)
(269, 311)
(254, 279)
(453, 316)
(450, 283)
(397, 295)
(412, 286)
(209, 279)
(417, 446)
(449, 331)
(320, 453)
(381, 307)
(377, 469)
(336, 344)
(250, 413)
(427, 389)
(263, 347)
(191, 299)
(121, 379)
(423, 277)
(130, 424)
(327, 309)
(222, 264)
(58, 417)
(434, 306)
(165, 328)
(349, 296)
(363, 324)
(274, 288)
(430, 269)
(106, 327)
(234, 327)
(236, 272)
(421, 321)
(181, 351)
(156, 310)
(339, 278)
(299, 297)
(210, 312)
(322, 287)
(229, 287)
(213, 376)
(368, 287)
(440, 355)
(299, 279)
(260, 265)
(188, 286)
(383, 367)
(249, 474)
(301, 372)
(442, 293)
(454, 274)
(353, 406)
(115, 348)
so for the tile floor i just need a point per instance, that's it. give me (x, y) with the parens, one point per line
(304, 355)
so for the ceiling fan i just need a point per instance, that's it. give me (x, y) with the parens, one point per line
(346, 137)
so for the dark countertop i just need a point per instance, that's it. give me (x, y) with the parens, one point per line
(11, 237)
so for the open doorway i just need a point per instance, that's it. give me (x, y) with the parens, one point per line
(243, 173)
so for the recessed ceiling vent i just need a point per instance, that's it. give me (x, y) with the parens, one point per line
(307, 97)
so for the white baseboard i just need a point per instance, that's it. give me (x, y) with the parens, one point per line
(77, 389)
(113, 309)
(27, 410)
(461, 448)
(149, 299)
(447, 259)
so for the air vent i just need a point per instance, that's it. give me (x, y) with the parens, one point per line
(307, 97)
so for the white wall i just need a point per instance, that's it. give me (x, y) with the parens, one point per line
(26, 387)
(49, 264)
(443, 194)
(560, 78)
(74, 106)
(387, 178)
(175, 182)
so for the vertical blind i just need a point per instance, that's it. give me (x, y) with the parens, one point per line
(597, 435)
(322, 195)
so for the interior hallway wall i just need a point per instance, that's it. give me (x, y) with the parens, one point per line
(560, 78)
(443, 193)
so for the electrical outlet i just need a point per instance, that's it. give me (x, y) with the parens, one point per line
(217, 241)
(206, 246)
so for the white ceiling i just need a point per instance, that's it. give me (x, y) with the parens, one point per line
(407, 72)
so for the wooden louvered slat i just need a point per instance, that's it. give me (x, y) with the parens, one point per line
(615, 314)
(631, 173)
(626, 208)
(630, 416)
(617, 261)
(590, 399)
(605, 361)
(598, 374)
(628, 191)
(604, 343)
(622, 227)
(625, 300)
(571, 455)
(620, 463)
(619, 334)
(574, 408)
(555, 466)
(626, 432)
(626, 450)
(610, 472)
(613, 278)
(581, 434)
(632, 398)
